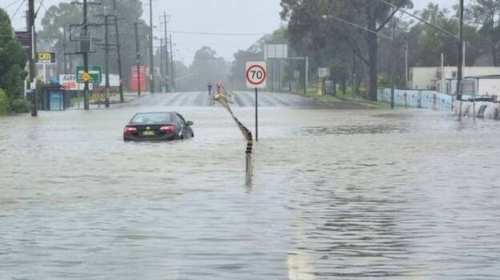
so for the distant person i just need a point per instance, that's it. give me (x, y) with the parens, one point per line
(219, 87)
(209, 85)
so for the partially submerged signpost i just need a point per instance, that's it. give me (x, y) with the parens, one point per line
(256, 76)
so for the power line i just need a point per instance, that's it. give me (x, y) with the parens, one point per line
(43, 5)
(17, 10)
(217, 34)
(12, 4)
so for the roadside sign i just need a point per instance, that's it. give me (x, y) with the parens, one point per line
(323, 72)
(275, 51)
(45, 57)
(95, 73)
(114, 80)
(256, 74)
(68, 82)
(85, 77)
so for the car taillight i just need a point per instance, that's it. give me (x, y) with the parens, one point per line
(167, 129)
(129, 130)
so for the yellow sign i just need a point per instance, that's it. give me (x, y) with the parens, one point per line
(45, 57)
(86, 77)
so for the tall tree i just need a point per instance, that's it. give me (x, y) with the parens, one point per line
(254, 53)
(307, 26)
(486, 15)
(13, 61)
(208, 67)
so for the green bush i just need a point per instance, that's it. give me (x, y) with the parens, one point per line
(20, 106)
(4, 103)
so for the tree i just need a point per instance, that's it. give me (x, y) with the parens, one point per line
(486, 15)
(254, 53)
(13, 62)
(51, 37)
(308, 28)
(207, 67)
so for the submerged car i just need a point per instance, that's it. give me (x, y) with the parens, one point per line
(158, 126)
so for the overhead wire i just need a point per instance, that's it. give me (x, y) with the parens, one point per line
(18, 8)
(11, 4)
(217, 33)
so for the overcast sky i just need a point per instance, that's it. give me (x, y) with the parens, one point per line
(255, 17)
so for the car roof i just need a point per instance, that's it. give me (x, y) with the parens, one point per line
(156, 113)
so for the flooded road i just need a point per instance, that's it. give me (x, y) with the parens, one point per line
(335, 195)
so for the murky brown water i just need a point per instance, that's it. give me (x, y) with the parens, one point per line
(335, 195)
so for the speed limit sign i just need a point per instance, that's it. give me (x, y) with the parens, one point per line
(256, 75)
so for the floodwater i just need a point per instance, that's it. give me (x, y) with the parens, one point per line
(409, 194)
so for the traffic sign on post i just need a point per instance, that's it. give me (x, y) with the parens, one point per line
(256, 74)
(95, 73)
(85, 77)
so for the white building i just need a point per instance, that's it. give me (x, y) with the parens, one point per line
(487, 85)
(430, 78)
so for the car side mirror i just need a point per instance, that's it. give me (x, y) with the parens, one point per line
(190, 123)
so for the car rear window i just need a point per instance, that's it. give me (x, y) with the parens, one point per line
(152, 118)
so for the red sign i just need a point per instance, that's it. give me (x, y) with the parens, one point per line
(256, 74)
(133, 78)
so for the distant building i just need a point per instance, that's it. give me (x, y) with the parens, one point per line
(431, 78)
(486, 85)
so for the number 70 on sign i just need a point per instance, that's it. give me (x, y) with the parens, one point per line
(256, 74)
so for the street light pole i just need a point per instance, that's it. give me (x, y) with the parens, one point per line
(151, 54)
(393, 60)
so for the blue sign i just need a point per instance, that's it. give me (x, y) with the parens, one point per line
(56, 101)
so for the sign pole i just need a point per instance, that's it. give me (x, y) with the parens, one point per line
(256, 114)
(256, 76)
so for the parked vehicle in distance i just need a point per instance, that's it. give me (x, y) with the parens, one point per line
(158, 126)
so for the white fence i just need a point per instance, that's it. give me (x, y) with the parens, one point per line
(418, 99)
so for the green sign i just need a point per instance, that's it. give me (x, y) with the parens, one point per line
(95, 74)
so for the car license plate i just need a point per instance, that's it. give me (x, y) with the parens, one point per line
(148, 133)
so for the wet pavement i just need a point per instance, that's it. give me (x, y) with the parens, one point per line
(409, 194)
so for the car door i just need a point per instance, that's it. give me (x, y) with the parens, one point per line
(184, 128)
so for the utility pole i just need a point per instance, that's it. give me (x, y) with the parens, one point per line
(31, 29)
(65, 50)
(162, 70)
(106, 52)
(353, 75)
(85, 49)
(172, 64)
(118, 52)
(406, 64)
(151, 54)
(460, 58)
(165, 21)
(86, 105)
(393, 61)
(71, 58)
(138, 58)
